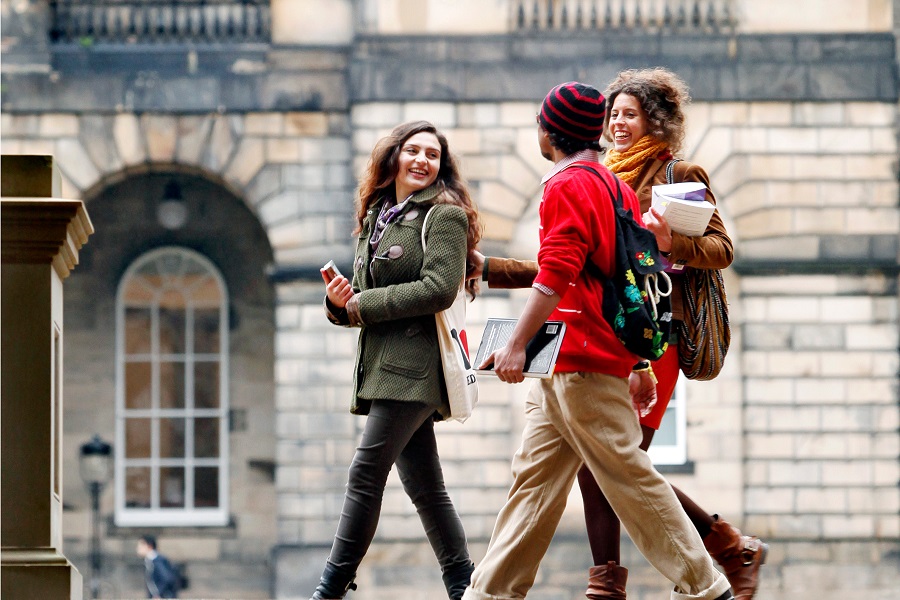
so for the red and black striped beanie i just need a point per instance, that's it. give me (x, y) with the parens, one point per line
(574, 110)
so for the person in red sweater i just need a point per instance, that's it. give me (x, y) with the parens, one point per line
(584, 413)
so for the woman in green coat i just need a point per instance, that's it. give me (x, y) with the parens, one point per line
(396, 290)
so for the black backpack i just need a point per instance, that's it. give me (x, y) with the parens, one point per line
(638, 311)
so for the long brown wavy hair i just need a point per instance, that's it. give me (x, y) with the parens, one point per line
(382, 169)
(662, 95)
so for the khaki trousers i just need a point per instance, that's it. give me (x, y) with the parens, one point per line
(587, 417)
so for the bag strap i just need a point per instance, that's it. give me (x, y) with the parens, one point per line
(670, 170)
(618, 196)
(424, 223)
(424, 245)
(590, 266)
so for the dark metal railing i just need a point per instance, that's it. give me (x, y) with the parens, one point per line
(87, 22)
(701, 15)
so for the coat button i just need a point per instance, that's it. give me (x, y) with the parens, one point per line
(411, 215)
(395, 252)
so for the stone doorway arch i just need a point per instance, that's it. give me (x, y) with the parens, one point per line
(125, 210)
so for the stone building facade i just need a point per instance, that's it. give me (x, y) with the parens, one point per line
(264, 131)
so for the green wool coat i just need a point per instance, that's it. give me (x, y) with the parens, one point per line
(401, 289)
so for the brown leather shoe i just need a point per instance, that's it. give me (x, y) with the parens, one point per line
(740, 555)
(607, 582)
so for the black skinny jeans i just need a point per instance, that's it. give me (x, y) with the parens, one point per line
(400, 433)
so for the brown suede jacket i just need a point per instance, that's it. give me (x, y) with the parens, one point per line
(713, 250)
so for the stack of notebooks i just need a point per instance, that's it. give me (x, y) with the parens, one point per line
(684, 206)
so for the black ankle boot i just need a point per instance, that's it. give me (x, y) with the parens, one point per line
(334, 584)
(457, 579)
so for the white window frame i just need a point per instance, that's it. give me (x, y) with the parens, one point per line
(157, 516)
(673, 454)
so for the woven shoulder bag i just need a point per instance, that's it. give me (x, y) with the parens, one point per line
(704, 333)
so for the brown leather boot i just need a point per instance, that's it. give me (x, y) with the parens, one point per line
(740, 556)
(607, 582)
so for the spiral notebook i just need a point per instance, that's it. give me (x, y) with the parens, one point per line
(540, 353)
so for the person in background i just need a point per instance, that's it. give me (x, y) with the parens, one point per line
(584, 413)
(159, 574)
(397, 287)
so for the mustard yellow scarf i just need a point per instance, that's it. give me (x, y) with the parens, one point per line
(627, 165)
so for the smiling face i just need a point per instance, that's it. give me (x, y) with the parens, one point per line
(418, 164)
(627, 122)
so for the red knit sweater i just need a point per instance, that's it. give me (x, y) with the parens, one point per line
(577, 221)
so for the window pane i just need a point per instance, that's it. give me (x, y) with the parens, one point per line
(150, 271)
(206, 487)
(206, 385)
(668, 429)
(171, 329)
(138, 291)
(137, 385)
(171, 438)
(137, 438)
(137, 330)
(170, 263)
(137, 487)
(171, 487)
(171, 385)
(206, 292)
(206, 438)
(206, 331)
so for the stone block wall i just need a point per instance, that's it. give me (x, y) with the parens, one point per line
(291, 167)
(821, 416)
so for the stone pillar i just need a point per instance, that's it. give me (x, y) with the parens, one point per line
(40, 235)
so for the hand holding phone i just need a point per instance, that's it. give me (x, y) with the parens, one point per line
(330, 271)
(337, 287)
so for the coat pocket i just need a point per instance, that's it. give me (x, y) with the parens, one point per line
(409, 351)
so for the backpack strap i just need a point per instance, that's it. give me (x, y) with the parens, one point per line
(618, 197)
(590, 266)
(670, 170)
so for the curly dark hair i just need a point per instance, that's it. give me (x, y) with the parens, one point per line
(571, 145)
(662, 95)
(381, 171)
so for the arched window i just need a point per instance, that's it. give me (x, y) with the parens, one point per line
(171, 392)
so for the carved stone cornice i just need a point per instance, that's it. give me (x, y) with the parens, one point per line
(43, 231)
(14, 556)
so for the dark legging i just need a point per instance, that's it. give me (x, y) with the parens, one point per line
(603, 527)
(400, 433)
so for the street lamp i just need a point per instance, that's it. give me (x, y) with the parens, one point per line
(172, 210)
(95, 466)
